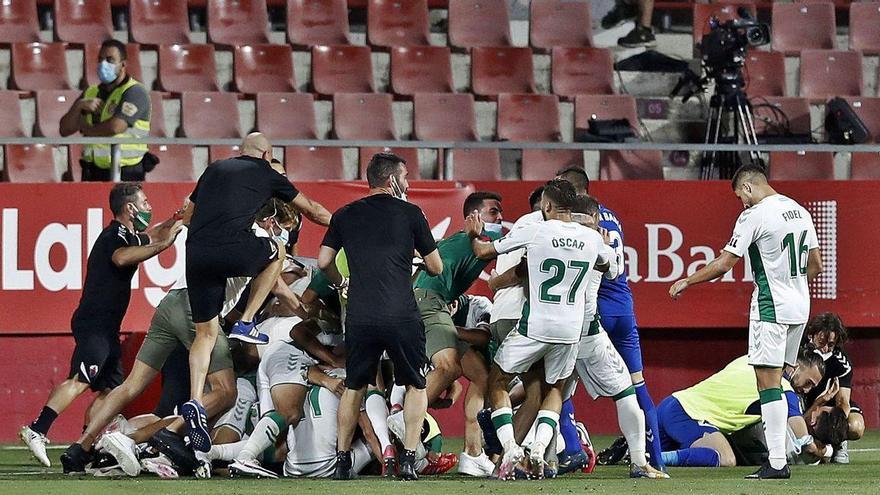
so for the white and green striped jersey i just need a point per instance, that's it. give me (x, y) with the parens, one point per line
(560, 257)
(778, 235)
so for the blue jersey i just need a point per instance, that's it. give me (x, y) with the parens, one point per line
(615, 298)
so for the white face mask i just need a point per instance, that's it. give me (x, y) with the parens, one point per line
(492, 227)
(396, 191)
(283, 236)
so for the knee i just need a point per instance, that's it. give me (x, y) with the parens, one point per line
(855, 426)
(726, 459)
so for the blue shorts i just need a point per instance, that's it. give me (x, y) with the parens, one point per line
(677, 429)
(624, 334)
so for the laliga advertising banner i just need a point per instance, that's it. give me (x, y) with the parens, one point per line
(671, 229)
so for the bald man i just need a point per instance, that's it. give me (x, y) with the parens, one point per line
(221, 244)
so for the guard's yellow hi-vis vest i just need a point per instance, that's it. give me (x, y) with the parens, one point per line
(131, 154)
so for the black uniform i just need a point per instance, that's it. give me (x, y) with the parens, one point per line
(220, 242)
(379, 234)
(105, 297)
(837, 365)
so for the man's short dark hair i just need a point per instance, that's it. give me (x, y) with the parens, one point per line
(475, 200)
(747, 172)
(561, 193)
(577, 176)
(827, 322)
(831, 427)
(535, 196)
(122, 194)
(112, 43)
(586, 204)
(809, 358)
(382, 166)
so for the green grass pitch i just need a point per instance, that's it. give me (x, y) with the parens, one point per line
(19, 475)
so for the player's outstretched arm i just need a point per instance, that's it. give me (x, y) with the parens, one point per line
(327, 264)
(132, 255)
(313, 210)
(716, 268)
(814, 264)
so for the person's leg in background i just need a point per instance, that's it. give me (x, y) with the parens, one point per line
(640, 11)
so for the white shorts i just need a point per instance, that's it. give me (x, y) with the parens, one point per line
(237, 417)
(600, 367)
(360, 457)
(518, 353)
(282, 364)
(773, 345)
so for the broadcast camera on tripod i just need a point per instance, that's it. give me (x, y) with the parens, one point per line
(730, 115)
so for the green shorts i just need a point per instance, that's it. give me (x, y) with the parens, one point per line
(172, 324)
(440, 331)
(500, 329)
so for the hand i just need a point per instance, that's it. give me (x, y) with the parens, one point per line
(830, 391)
(605, 237)
(90, 105)
(336, 385)
(678, 287)
(473, 225)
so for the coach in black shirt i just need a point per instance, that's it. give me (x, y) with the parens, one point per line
(380, 233)
(221, 244)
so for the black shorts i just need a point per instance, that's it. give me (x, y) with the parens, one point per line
(208, 267)
(405, 344)
(97, 359)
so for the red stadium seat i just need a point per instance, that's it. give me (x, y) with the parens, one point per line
(238, 22)
(175, 163)
(421, 69)
(582, 71)
(800, 26)
(868, 110)
(187, 68)
(158, 22)
(25, 163)
(274, 112)
(605, 107)
(209, 115)
(38, 66)
(342, 69)
(528, 118)
(306, 163)
(19, 23)
(51, 106)
(864, 17)
(499, 70)
(475, 23)
(723, 11)
(829, 73)
(409, 155)
(396, 23)
(865, 166)
(222, 152)
(363, 116)
(317, 22)
(543, 164)
(90, 63)
(799, 165)
(262, 68)
(444, 117)
(476, 164)
(631, 165)
(560, 23)
(157, 115)
(780, 114)
(83, 22)
(765, 73)
(10, 115)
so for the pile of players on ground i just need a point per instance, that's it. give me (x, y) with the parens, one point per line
(273, 408)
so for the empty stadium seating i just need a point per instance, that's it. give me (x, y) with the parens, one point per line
(209, 115)
(395, 23)
(765, 73)
(363, 116)
(38, 66)
(10, 115)
(496, 70)
(605, 107)
(260, 68)
(175, 163)
(421, 69)
(317, 22)
(868, 110)
(274, 112)
(157, 22)
(444, 117)
(314, 163)
(799, 26)
(342, 69)
(475, 23)
(582, 71)
(560, 23)
(476, 164)
(187, 68)
(781, 114)
(409, 155)
(864, 27)
(828, 73)
(83, 22)
(18, 22)
(798, 165)
(29, 163)
(543, 164)
(51, 106)
(631, 165)
(222, 152)
(523, 117)
(865, 166)
(238, 22)
(157, 115)
(90, 63)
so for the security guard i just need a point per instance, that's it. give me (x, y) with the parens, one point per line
(118, 107)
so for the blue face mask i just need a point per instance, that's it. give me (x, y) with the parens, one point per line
(284, 236)
(107, 72)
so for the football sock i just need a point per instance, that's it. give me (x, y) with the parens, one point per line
(692, 457)
(44, 420)
(377, 412)
(502, 418)
(226, 451)
(397, 394)
(631, 420)
(265, 433)
(546, 430)
(652, 435)
(774, 414)
(567, 429)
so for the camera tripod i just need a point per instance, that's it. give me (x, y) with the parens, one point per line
(730, 122)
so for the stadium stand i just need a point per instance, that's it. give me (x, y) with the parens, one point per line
(260, 68)
(10, 115)
(799, 26)
(175, 163)
(237, 22)
(83, 22)
(828, 73)
(273, 111)
(363, 116)
(798, 165)
(781, 114)
(421, 69)
(559, 23)
(19, 23)
(51, 106)
(865, 166)
(496, 70)
(313, 163)
(868, 110)
(394, 23)
(29, 163)
(157, 22)
(582, 71)
(864, 35)
(38, 66)
(475, 164)
(540, 164)
(222, 152)
(409, 155)
(187, 68)
(342, 69)
(723, 11)
(205, 114)
(444, 117)
(317, 22)
(523, 117)
(90, 63)
(474, 23)
(157, 115)
(765, 73)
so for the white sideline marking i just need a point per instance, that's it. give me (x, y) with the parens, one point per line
(24, 447)
(27, 473)
(865, 450)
